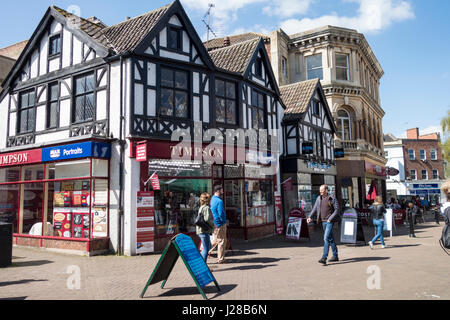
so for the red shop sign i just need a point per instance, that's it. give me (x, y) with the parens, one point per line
(141, 152)
(21, 157)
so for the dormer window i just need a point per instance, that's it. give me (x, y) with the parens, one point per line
(174, 38)
(55, 45)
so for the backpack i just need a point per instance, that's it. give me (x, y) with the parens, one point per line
(338, 217)
(445, 239)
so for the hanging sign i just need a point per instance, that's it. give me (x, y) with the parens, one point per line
(154, 179)
(141, 151)
(182, 246)
(145, 222)
(307, 148)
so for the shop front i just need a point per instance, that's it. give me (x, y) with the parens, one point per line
(359, 182)
(427, 191)
(248, 193)
(58, 197)
(306, 178)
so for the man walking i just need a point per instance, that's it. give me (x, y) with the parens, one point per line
(327, 210)
(412, 211)
(220, 220)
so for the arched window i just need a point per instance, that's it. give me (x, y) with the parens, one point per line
(344, 125)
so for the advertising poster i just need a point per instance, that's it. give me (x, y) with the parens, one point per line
(293, 228)
(145, 222)
(62, 223)
(100, 225)
(278, 213)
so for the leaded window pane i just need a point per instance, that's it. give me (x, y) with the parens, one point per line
(166, 102)
(231, 112)
(220, 88)
(181, 110)
(53, 116)
(231, 90)
(167, 77)
(181, 80)
(220, 109)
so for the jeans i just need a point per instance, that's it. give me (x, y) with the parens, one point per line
(328, 239)
(379, 225)
(206, 244)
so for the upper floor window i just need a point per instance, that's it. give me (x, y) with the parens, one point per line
(424, 175)
(26, 116)
(314, 66)
(316, 107)
(344, 125)
(284, 66)
(413, 174)
(84, 108)
(53, 106)
(386, 154)
(423, 154)
(174, 38)
(259, 67)
(226, 102)
(55, 45)
(174, 93)
(435, 175)
(411, 154)
(258, 110)
(291, 139)
(318, 143)
(433, 154)
(342, 69)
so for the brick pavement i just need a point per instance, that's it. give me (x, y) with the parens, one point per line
(270, 269)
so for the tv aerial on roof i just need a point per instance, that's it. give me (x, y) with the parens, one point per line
(208, 24)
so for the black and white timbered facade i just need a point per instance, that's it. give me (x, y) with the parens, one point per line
(308, 137)
(79, 82)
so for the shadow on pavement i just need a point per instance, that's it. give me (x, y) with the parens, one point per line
(30, 263)
(189, 291)
(256, 260)
(12, 283)
(255, 267)
(362, 259)
(402, 246)
(14, 298)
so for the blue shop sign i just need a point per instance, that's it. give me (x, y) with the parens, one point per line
(426, 186)
(77, 151)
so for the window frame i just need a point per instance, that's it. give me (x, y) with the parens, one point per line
(346, 68)
(413, 154)
(413, 174)
(435, 177)
(341, 120)
(258, 108)
(424, 177)
(20, 109)
(227, 99)
(75, 96)
(49, 103)
(316, 68)
(284, 66)
(435, 154)
(259, 67)
(50, 45)
(179, 31)
(424, 154)
(175, 89)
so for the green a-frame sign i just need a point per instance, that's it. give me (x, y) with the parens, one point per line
(182, 246)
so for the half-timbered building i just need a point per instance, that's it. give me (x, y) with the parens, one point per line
(90, 112)
(308, 130)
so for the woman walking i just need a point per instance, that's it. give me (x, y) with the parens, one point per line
(378, 210)
(205, 233)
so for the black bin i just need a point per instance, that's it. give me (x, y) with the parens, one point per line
(6, 241)
(349, 226)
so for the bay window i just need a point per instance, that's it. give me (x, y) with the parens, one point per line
(174, 93)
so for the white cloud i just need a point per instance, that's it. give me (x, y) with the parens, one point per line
(287, 8)
(372, 16)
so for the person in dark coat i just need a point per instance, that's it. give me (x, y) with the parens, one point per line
(411, 212)
(377, 211)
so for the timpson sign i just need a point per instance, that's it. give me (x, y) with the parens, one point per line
(19, 158)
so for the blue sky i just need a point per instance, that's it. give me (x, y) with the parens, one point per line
(409, 38)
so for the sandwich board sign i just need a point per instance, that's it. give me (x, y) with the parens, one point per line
(182, 246)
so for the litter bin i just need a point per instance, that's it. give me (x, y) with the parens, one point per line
(349, 226)
(6, 231)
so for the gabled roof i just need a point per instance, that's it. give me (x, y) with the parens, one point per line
(218, 43)
(235, 58)
(296, 97)
(13, 51)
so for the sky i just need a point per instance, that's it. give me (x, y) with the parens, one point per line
(408, 37)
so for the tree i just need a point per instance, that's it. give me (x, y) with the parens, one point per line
(445, 123)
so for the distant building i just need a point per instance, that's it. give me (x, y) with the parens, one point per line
(421, 165)
(8, 57)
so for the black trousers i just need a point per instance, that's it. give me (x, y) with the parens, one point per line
(411, 220)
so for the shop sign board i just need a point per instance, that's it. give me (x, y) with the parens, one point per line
(307, 148)
(77, 151)
(21, 157)
(426, 186)
(375, 169)
(297, 227)
(182, 246)
(141, 152)
(145, 222)
(339, 153)
(278, 213)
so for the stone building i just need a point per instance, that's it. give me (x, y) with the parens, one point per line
(8, 57)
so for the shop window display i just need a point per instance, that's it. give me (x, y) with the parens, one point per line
(260, 202)
(233, 202)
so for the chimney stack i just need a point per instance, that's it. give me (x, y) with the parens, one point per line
(226, 42)
(412, 134)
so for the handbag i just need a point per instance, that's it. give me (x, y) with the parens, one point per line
(200, 221)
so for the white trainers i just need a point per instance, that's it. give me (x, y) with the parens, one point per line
(383, 247)
(371, 244)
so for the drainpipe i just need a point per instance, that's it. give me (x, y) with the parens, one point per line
(121, 164)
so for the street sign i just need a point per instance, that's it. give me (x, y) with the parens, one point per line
(182, 246)
(393, 172)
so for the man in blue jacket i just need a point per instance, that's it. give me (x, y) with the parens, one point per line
(220, 222)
